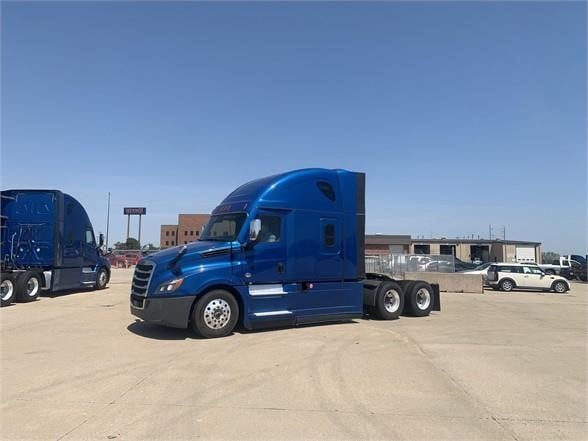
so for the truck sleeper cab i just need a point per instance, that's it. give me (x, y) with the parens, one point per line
(283, 250)
(47, 243)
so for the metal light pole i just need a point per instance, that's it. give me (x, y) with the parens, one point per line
(107, 220)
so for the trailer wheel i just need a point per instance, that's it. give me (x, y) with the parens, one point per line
(215, 314)
(389, 301)
(28, 286)
(7, 290)
(102, 278)
(419, 299)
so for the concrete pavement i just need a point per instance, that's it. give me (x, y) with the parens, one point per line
(491, 366)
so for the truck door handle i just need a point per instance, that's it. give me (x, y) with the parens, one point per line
(280, 268)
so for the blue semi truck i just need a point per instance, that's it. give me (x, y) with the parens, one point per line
(283, 250)
(47, 243)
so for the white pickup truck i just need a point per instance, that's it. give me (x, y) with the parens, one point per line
(564, 263)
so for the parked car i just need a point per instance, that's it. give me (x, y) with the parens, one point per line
(575, 271)
(481, 269)
(507, 276)
(477, 261)
(460, 265)
(117, 260)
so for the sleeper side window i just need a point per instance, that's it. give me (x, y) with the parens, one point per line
(329, 235)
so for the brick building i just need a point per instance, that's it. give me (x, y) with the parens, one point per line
(187, 230)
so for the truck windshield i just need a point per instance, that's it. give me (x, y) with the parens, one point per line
(223, 227)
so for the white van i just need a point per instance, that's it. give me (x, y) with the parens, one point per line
(507, 276)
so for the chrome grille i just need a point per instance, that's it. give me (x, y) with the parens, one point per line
(142, 277)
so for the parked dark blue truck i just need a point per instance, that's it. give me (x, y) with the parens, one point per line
(47, 243)
(283, 250)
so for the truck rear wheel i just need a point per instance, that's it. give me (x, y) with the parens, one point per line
(28, 286)
(389, 301)
(7, 289)
(215, 314)
(419, 299)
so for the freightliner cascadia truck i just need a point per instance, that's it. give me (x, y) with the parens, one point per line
(283, 250)
(47, 243)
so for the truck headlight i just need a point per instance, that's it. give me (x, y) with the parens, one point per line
(170, 286)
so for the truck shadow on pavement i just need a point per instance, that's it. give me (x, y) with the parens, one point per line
(157, 332)
(69, 292)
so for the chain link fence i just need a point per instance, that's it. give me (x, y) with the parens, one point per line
(397, 264)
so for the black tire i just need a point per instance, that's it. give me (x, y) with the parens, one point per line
(102, 278)
(389, 301)
(215, 314)
(419, 299)
(559, 287)
(28, 286)
(7, 289)
(506, 285)
(550, 272)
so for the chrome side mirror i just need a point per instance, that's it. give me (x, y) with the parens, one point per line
(254, 229)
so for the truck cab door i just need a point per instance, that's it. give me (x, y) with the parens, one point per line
(90, 258)
(266, 258)
(264, 272)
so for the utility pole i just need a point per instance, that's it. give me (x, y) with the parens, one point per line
(107, 220)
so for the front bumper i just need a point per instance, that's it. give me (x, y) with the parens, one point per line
(173, 311)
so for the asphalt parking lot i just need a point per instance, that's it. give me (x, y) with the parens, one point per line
(495, 366)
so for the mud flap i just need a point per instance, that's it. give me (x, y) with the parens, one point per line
(436, 297)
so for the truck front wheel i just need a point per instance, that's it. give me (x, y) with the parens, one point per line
(389, 301)
(419, 299)
(215, 314)
(101, 278)
(28, 286)
(7, 291)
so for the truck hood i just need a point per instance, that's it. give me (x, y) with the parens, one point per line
(195, 250)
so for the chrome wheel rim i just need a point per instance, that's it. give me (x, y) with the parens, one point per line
(32, 286)
(559, 287)
(6, 289)
(507, 286)
(423, 298)
(102, 278)
(391, 300)
(217, 314)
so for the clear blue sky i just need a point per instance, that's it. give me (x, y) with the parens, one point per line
(461, 114)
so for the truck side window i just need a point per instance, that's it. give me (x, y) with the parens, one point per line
(69, 240)
(271, 227)
(330, 235)
(90, 237)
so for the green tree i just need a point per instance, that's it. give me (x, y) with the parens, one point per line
(132, 244)
(549, 256)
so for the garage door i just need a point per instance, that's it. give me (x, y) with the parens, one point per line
(525, 254)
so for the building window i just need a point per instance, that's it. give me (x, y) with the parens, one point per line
(167, 243)
(167, 233)
(173, 243)
(197, 233)
(191, 232)
(185, 242)
(186, 233)
(173, 233)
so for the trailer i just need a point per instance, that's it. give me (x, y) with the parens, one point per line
(47, 243)
(282, 250)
